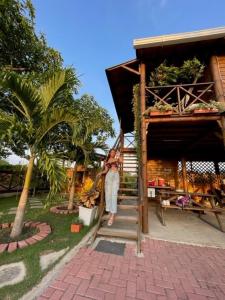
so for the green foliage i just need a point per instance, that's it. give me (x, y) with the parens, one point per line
(59, 239)
(20, 46)
(24, 51)
(137, 119)
(77, 220)
(36, 115)
(4, 163)
(190, 71)
(159, 106)
(56, 175)
(211, 105)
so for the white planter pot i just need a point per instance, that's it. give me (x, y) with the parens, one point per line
(87, 215)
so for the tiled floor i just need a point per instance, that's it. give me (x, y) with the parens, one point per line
(167, 271)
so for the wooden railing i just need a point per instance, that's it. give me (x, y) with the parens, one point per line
(181, 96)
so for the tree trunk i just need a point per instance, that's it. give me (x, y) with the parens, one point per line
(72, 189)
(18, 222)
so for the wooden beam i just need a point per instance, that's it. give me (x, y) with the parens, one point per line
(182, 119)
(215, 70)
(184, 174)
(143, 148)
(131, 70)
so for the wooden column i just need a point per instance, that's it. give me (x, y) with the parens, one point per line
(217, 170)
(184, 174)
(217, 79)
(143, 148)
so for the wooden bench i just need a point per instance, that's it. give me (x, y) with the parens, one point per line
(194, 205)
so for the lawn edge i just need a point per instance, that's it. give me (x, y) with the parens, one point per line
(54, 272)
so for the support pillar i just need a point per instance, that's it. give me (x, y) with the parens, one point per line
(184, 174)
(143, 148)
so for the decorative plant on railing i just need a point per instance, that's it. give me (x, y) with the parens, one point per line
(189, 72)
(170, 76)
(137, 120)
(211, 106)
(159, 109)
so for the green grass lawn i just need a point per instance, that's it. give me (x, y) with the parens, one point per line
(60, 238)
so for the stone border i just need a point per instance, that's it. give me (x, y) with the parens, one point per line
(57, 210)
(44, 231)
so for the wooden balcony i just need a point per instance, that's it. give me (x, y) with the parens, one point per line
(181, 97)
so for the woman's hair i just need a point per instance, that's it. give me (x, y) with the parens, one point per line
(108, 156)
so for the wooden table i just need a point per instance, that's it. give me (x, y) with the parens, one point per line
(194, 206)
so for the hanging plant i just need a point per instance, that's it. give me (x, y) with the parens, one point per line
(137, 120)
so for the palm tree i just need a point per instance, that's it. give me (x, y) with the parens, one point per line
(37, 110)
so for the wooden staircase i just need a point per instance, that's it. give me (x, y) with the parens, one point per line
(126, 224)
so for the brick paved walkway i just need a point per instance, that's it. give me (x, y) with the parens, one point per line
(167, 271)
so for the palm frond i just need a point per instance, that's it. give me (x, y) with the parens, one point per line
(25, 94)
(56, 175)
(52, 118)
(50, 89)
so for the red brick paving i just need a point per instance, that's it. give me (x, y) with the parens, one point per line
(168, 271)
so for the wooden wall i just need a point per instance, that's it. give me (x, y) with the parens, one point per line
(167, 170)
(221, 65)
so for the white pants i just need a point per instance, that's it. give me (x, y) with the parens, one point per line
(112, 181)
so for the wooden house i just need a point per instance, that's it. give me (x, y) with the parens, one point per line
(184, 149)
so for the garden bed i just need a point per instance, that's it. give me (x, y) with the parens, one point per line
(59, 239)
(38, 231)
(63, 210)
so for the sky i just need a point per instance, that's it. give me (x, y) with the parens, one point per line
(93, 35)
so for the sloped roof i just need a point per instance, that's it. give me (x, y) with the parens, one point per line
(180, 38)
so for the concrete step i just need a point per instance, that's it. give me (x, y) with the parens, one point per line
(124, 218)
(128, 206)
(118, 232)
(127, 190)
(127, 197)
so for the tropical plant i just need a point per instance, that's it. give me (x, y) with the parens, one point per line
(211, 105)
(189, 72)
(37, 113)
(88, 139)
(159, 106)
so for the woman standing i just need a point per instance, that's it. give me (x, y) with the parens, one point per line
(112, 182)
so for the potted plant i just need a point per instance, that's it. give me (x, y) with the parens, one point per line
(87, 207)
(160, 109)
(76, 225)
(202, 108)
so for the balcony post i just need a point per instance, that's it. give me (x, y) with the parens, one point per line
(219, 91)
(143, 147)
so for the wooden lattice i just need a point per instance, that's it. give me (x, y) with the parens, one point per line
(199, 173)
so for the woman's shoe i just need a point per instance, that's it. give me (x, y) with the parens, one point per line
(110, 222)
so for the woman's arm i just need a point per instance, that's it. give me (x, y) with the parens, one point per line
(105, 169)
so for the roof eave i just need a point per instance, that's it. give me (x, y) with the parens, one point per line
(182, 38)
